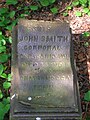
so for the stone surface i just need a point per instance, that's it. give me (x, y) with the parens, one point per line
(44, 76)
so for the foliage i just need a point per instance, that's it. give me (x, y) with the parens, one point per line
(33, 7)
(4, 107)
(65, 14)
(85, 4)
(46, 2)
(86, 44)
(87, 99)
(3, 58)
(1, 69)
(54, 10)
(11, 2)
(86, 10)
(6, 85)
(78, 13)
(87, 96)
(1, 94)
(88, 118)
(75, 3)
(86, 34)
(6, 18)
(7, 21)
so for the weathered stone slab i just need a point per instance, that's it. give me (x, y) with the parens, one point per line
(44, 84)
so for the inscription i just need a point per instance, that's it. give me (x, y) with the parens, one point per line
(45, 39)
(26, 64)
(42, 87)
(44, 64)
(45, 56)
(40, 78)
(40, 47)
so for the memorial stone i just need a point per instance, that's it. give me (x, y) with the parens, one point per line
(44, 79)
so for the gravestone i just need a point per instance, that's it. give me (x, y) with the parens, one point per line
(44, 80)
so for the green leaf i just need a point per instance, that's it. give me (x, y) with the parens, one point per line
(1, 114)
(65, 14)
(26, 13)
(2, 49)
(69, 7)
(86, 10)
(33, 7)
(83, 2)
(22, 15)
(9, 77)
(3, 10)
(44, 2)
(3, 58)
(0, 33)
(86, 44)
(6, 101)
(1, 37)
(2, 18)
(2, 24)
(3, 75)
(51, 1)
(75, 3)
(1, 105)
(1, 95)
(6, 21)
(3, 42)
(6, 85)
(10, 39)
(12, 14)
(1, 69)
(54, 10)
(78, 13)
(10, 27)
(89, 3)
(88, 13)
(88, 117)
(87, 96)
(26, 8)
(5, 68)
(6, 108)
(11, 2)
(86, 34)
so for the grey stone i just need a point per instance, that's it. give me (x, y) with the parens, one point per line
(44, 84)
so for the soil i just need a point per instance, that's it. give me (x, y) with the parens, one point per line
(82, 55)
